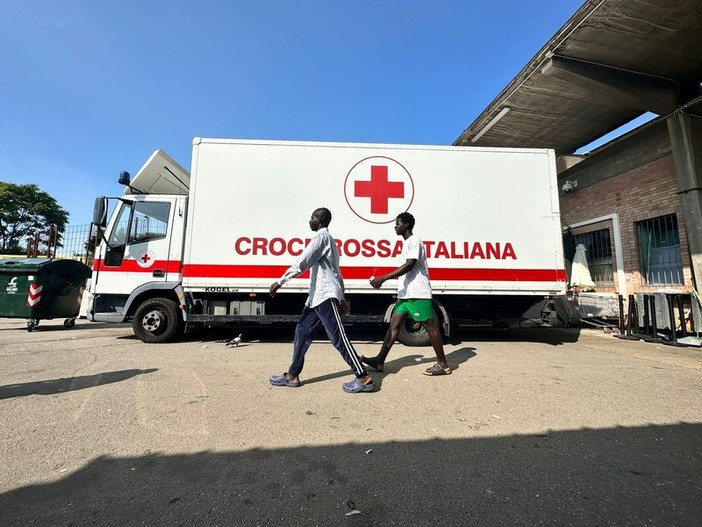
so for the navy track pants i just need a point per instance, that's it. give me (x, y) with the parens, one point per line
(327, 313)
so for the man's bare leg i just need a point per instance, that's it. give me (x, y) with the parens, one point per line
(378, 362)
(436, 343)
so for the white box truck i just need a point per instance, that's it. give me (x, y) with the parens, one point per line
(203, 247)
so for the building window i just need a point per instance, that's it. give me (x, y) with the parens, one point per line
(599, 256)
(660, 259)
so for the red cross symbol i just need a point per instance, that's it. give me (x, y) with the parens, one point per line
(379, 189)
(145, 258)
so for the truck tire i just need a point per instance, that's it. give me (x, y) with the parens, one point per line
(157, 320)
(413, 333)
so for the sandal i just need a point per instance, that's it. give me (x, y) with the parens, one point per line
(437, 370)
(372, 362)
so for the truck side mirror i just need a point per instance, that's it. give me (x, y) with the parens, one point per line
(100, 212)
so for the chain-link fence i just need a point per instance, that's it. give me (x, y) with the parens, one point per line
(78, 243)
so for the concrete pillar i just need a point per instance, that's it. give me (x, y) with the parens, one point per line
(685, 132)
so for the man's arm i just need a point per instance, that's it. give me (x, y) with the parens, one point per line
(310, 255)
(403, 269)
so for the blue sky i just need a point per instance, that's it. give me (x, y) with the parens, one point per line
(90, 88)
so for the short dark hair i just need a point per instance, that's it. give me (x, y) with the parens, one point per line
(324, 215)
(407, 219)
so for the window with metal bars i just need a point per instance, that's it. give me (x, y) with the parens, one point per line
(660, 259)
(599, 256)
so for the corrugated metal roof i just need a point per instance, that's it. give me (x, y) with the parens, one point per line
(611, 62)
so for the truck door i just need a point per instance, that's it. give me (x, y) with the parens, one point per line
(138, 249)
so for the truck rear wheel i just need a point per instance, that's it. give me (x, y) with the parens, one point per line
(157, 320)
(413, 333)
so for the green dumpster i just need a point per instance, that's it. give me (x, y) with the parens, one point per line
(40, 289)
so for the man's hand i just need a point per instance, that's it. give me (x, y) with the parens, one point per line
(344, 307)
(274, 287)
(376, 282)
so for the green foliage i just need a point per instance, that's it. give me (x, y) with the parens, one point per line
(24, 211)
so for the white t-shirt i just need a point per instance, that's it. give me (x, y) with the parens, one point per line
(414, 284)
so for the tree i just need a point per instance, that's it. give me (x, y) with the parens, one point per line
(25, 211)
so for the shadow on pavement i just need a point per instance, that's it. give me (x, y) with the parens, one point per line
(284, 332)
(455, 358)
(550, 336)
(367, 334)
(56, 324)
(370, 335)
(618, 476)
(68, 384)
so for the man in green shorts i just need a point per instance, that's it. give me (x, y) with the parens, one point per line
(414, 298)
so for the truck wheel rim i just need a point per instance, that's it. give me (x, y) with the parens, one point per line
(152, 321)
(414, 328)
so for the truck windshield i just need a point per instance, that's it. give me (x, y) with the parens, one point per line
(147, 221)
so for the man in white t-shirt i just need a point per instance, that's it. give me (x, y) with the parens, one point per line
(413, 298)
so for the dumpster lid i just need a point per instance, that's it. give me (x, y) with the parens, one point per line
(22, 263)
(54, 264)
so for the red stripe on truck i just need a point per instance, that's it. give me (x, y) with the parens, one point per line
(435, 273)
(131, 266)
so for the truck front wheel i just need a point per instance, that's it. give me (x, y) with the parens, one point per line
(157, 320)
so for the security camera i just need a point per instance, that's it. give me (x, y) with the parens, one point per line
(569, 186)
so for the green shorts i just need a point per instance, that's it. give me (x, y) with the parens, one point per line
(420, 309)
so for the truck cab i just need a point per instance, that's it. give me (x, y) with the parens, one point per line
(139, 261)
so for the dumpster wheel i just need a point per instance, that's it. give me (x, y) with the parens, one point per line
(32, 323)
(69, 323)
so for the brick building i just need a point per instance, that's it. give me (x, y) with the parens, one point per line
(642, 244)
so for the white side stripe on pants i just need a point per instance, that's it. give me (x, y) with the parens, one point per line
(349, 348)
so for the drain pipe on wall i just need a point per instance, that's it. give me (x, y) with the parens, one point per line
(619, 257)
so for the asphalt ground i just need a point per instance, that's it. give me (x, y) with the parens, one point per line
(534, 427)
